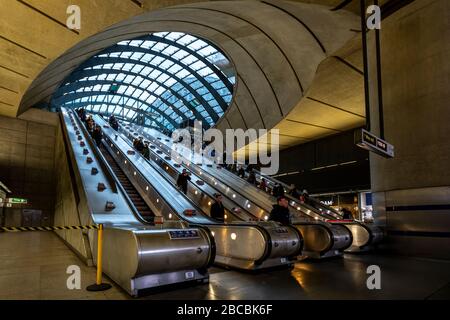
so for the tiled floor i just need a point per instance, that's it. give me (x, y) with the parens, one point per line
(33, 266)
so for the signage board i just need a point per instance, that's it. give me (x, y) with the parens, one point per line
(17, 200)
(366, 140)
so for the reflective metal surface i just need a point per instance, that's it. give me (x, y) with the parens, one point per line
(242, 245)
(136, 255)
(324, 240)
(236, 188)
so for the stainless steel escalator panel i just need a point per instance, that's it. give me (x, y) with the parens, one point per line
(223, 186)
(317, 240)
(365, 237)
(163, 197)
(252, 248)
(324, 240)
(342, 237)
(244, 245)
(200, 194)
(96, 200)
(136, 256)
(140, 259)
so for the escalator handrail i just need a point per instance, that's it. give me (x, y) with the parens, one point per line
(237, 178)
(287, 195)
(117, 186)
(136, 168)
(105, 168)
(212, 244)
(163, 173)
(275, 181)
(192, 163)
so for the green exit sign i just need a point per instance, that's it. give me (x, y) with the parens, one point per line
(17, 200)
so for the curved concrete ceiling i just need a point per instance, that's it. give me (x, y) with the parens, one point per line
(33, 34)
(299, 65)
(276, 48)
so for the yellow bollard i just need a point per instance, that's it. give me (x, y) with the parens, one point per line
(99, 286)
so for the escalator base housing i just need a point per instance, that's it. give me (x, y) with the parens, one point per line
(138, 285)
(250, 265)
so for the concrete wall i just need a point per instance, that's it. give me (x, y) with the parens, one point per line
(412, 191)
(67, 201)
(27, 167)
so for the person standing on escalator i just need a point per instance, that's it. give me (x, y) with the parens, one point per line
(217, 209)
(113, 123)
(263, 185)
(146, 151)
(182, 181)
(251, 178)
(139, 145)
(278, 190)
(346, 214)
(97, 135)
(241, 172)
(294, 192)
(280, 212)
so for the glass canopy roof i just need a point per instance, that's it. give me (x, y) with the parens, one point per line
(159, 80)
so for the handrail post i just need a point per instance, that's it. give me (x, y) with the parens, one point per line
(99, 286)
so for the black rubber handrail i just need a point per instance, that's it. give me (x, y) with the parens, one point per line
(110, 174)
(234, 190)
(163, 173)
(105, 168)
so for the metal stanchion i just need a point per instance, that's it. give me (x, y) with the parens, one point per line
(98, 285)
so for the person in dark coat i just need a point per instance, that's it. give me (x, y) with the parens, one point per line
(280, 212)
(113, 123)
(346, 214)
(97, 135)
(182, 181)
(304, 197)
(217, 208)
(263, 184)
(146, 151)
(278, 190)
(294, 192)
(241, 172)
(251, 178)
(82, 114)
(139, 145)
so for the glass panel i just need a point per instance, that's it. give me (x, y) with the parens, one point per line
(138, 81)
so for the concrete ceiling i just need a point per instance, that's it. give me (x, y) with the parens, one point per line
(33, 34)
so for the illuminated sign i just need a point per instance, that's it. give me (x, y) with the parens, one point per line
(368, 141)
(17, 200)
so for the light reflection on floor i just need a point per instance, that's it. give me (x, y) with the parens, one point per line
(33, 266)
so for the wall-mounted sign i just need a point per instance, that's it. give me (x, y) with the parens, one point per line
(17, 200)
(368, 141)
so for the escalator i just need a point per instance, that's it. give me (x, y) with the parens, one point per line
(138, 254)
(139, 203)
(201, 193)
(324, 239)
(364, 236)
(239, 244)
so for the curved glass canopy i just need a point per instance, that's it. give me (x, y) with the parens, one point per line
(160, 80)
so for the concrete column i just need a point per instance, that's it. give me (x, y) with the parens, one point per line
(412, 191)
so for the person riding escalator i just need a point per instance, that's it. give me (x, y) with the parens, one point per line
(182, 181)
(97, 135)
(280, 212)
(217, 209)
